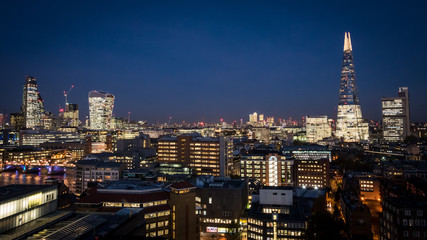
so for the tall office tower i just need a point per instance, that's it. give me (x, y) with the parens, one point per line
(350, 126)
(253, 118)
(261, 118)
(32, 103)
(317, 128)
(71, 115)
(395, 112)
(100, 109)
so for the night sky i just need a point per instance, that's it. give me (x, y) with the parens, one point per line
(206, 60)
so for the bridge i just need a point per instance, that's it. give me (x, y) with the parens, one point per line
(34, 169)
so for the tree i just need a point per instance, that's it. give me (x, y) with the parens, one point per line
(322, 225)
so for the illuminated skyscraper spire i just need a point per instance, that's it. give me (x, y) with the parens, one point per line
(350, 125)
(348, 87)
(347, 42)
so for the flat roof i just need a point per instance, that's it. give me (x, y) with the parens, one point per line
(16, 190)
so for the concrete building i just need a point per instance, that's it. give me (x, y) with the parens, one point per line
(183, 204)
(311, 173)
(151, 199)
(357, 216)
(395, 115)
(281, 212)
(96, 171)
(205, 155)
(403, 218)
(272, 169)
(220, 203)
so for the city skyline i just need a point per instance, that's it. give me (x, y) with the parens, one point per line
(194, 67)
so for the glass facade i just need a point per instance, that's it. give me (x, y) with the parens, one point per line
(395, 115)
(27, 206)
(100, 109)
(350, 126)
(32, 103)
(317, 128)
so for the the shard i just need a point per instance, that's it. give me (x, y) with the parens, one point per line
(350, 126)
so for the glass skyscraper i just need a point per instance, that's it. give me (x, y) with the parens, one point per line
(395, 114)
(100, 109)
(350, 126)
(32, 103)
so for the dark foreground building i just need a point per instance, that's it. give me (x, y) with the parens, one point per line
(282, 212)
(20, 204)
(403, 218)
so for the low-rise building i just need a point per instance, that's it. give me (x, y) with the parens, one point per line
(281, 213)
(96, 171)
(220, 204)
(20, 204)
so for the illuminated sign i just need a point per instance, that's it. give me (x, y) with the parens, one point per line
(222, 230)
(212, 229)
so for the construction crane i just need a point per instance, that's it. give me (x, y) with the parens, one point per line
(66, 96)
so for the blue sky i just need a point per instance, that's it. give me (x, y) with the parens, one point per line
(206, 60)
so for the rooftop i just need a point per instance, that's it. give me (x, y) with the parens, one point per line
(182, 185)
(12, 191)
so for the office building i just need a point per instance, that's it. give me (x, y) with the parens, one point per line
(310, 165)
(272, 169)
(308, 152)
(205, 155)
(395, 114)
(32, 103)
(183, 204)
(136, 159)
(96, 171)
(100, 109)
(403, 218)
(261, 118)
(29, 155)
(253, 118)
(312, 173)
(71, 115)
(20, 204)
(281, 212)
(17, 120)
(37, 137)
(220, 203)
(317, 128)
(350, 125)
(367, 186)
(151, 199)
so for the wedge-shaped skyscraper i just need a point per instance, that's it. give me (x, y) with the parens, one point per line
(350, 125)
